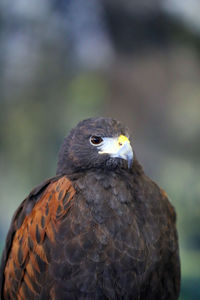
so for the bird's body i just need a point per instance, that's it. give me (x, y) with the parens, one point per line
(100, 232)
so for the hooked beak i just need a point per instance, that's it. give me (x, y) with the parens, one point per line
(117, 147)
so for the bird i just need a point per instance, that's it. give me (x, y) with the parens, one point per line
(99, 229)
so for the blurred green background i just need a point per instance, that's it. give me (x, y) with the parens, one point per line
(136, 61)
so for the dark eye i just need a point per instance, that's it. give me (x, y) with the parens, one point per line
(96, 140)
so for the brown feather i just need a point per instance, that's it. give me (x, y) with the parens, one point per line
(27, 254)
(115, 238)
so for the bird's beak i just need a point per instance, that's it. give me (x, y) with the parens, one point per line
(117, 147)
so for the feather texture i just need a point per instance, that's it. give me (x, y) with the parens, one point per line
(27, 265)
(101, 232)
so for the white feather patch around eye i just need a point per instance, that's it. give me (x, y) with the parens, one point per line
(109, 145)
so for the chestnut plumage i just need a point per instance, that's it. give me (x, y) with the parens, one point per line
(99, 229)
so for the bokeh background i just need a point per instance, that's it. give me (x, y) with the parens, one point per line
(138, 61)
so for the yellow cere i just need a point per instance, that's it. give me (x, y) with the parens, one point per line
(122, 139)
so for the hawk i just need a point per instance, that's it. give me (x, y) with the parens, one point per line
(99, 229)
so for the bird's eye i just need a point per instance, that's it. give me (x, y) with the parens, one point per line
(95, 140)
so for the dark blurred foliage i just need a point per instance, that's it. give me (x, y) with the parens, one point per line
(138, 61)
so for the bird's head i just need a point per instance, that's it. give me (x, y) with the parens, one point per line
(96, 143)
